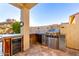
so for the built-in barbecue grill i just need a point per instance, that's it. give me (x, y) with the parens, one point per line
(53, 38)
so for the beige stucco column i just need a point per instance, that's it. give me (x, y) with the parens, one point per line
(25, 28)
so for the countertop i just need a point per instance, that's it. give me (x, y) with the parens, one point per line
(9, 35)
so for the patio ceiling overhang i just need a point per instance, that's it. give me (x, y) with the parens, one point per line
(23, 5)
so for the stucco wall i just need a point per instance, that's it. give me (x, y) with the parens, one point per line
(71, 32)
(72, 36)
(63, 28)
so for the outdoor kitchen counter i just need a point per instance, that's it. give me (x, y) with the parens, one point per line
(12, 44)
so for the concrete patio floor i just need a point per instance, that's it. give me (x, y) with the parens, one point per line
(39, 50)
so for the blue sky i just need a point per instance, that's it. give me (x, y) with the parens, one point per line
(8, 11)
(42, 14)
